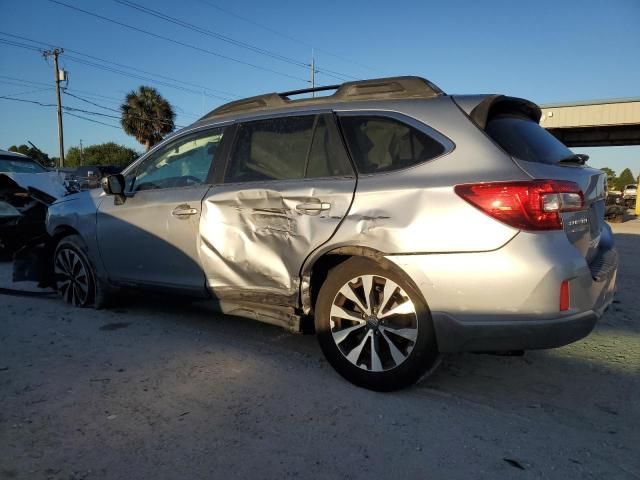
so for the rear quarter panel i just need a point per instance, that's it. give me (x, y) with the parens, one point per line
(416, 210)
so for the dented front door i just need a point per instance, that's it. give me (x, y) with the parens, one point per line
(256, 232)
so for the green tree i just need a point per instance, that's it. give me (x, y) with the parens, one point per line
(109, 153)
(611, 178)
(147, 116)
(625, 178)
(42, 158)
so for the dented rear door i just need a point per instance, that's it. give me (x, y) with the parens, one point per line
(287, 186)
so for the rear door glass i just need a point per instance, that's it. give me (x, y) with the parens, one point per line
(288, 148)
(382, 144)
(525, 139)
(271, 149)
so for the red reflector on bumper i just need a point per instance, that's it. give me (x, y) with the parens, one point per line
(564, 296)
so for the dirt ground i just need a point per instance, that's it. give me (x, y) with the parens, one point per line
(161, 389)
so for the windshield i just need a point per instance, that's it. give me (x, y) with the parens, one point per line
(525, 139)
(19, 165)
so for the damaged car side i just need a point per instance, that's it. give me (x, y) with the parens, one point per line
(402, 221)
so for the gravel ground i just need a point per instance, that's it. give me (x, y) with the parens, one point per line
(160, 389)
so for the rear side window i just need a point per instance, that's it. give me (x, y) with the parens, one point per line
(287, 148)
(327, 157)
(382, 144)
(525, 139)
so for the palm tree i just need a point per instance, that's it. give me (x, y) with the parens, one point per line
(147, 116)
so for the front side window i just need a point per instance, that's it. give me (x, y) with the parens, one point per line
(183, 163)
(382, 144)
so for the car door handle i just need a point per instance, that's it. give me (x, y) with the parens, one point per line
(183, 211)
(312, 207)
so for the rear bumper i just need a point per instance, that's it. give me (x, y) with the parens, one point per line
(508, 299)
(508, 334)
(501, 333)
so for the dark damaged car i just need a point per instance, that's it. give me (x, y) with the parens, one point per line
(26, 190)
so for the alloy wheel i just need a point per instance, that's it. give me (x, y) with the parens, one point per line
(71, 276)
(374, 323)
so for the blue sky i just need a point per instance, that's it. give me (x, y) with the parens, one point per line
(547, 51)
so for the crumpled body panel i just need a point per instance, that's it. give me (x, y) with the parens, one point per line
(256, 239)
(51, 183)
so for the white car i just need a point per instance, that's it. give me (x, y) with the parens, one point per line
(630, 190)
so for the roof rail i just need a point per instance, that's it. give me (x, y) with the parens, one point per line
(373, 89)
(309, 90)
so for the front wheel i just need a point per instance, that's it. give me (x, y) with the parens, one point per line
(374, 327)
(75, 280)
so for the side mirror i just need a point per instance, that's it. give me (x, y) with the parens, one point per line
(113, 184)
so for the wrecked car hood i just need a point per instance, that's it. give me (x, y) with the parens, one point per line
(50, 183)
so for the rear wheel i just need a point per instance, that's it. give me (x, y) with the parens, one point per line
(74, 275)
(374, 327)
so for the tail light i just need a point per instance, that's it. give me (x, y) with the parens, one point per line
(533, 205)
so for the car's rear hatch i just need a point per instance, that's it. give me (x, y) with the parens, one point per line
(584, 227)
(544, 157)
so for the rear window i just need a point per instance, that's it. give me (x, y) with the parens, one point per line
(9, 163)
(382, 144)
(525, 139)
(288, 148)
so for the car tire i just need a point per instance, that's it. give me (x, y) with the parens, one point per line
(380, 343)
(75, 275)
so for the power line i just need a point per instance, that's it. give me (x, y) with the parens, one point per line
(177, 42)
(29, 91)
(84, 92)
(94, 121)
(90, 102)
(107, 68)
(284, 35)
(200, 88)
(18, 44)
(33, 82)
(28, 101)
(210, 33)
(183, 112)
(89, 112)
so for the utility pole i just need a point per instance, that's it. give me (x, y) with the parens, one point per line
(54, 53)
(313, 73)
(81, 154)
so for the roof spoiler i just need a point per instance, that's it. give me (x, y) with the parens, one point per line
(482, 108)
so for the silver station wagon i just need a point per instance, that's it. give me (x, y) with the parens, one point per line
(396, 221)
